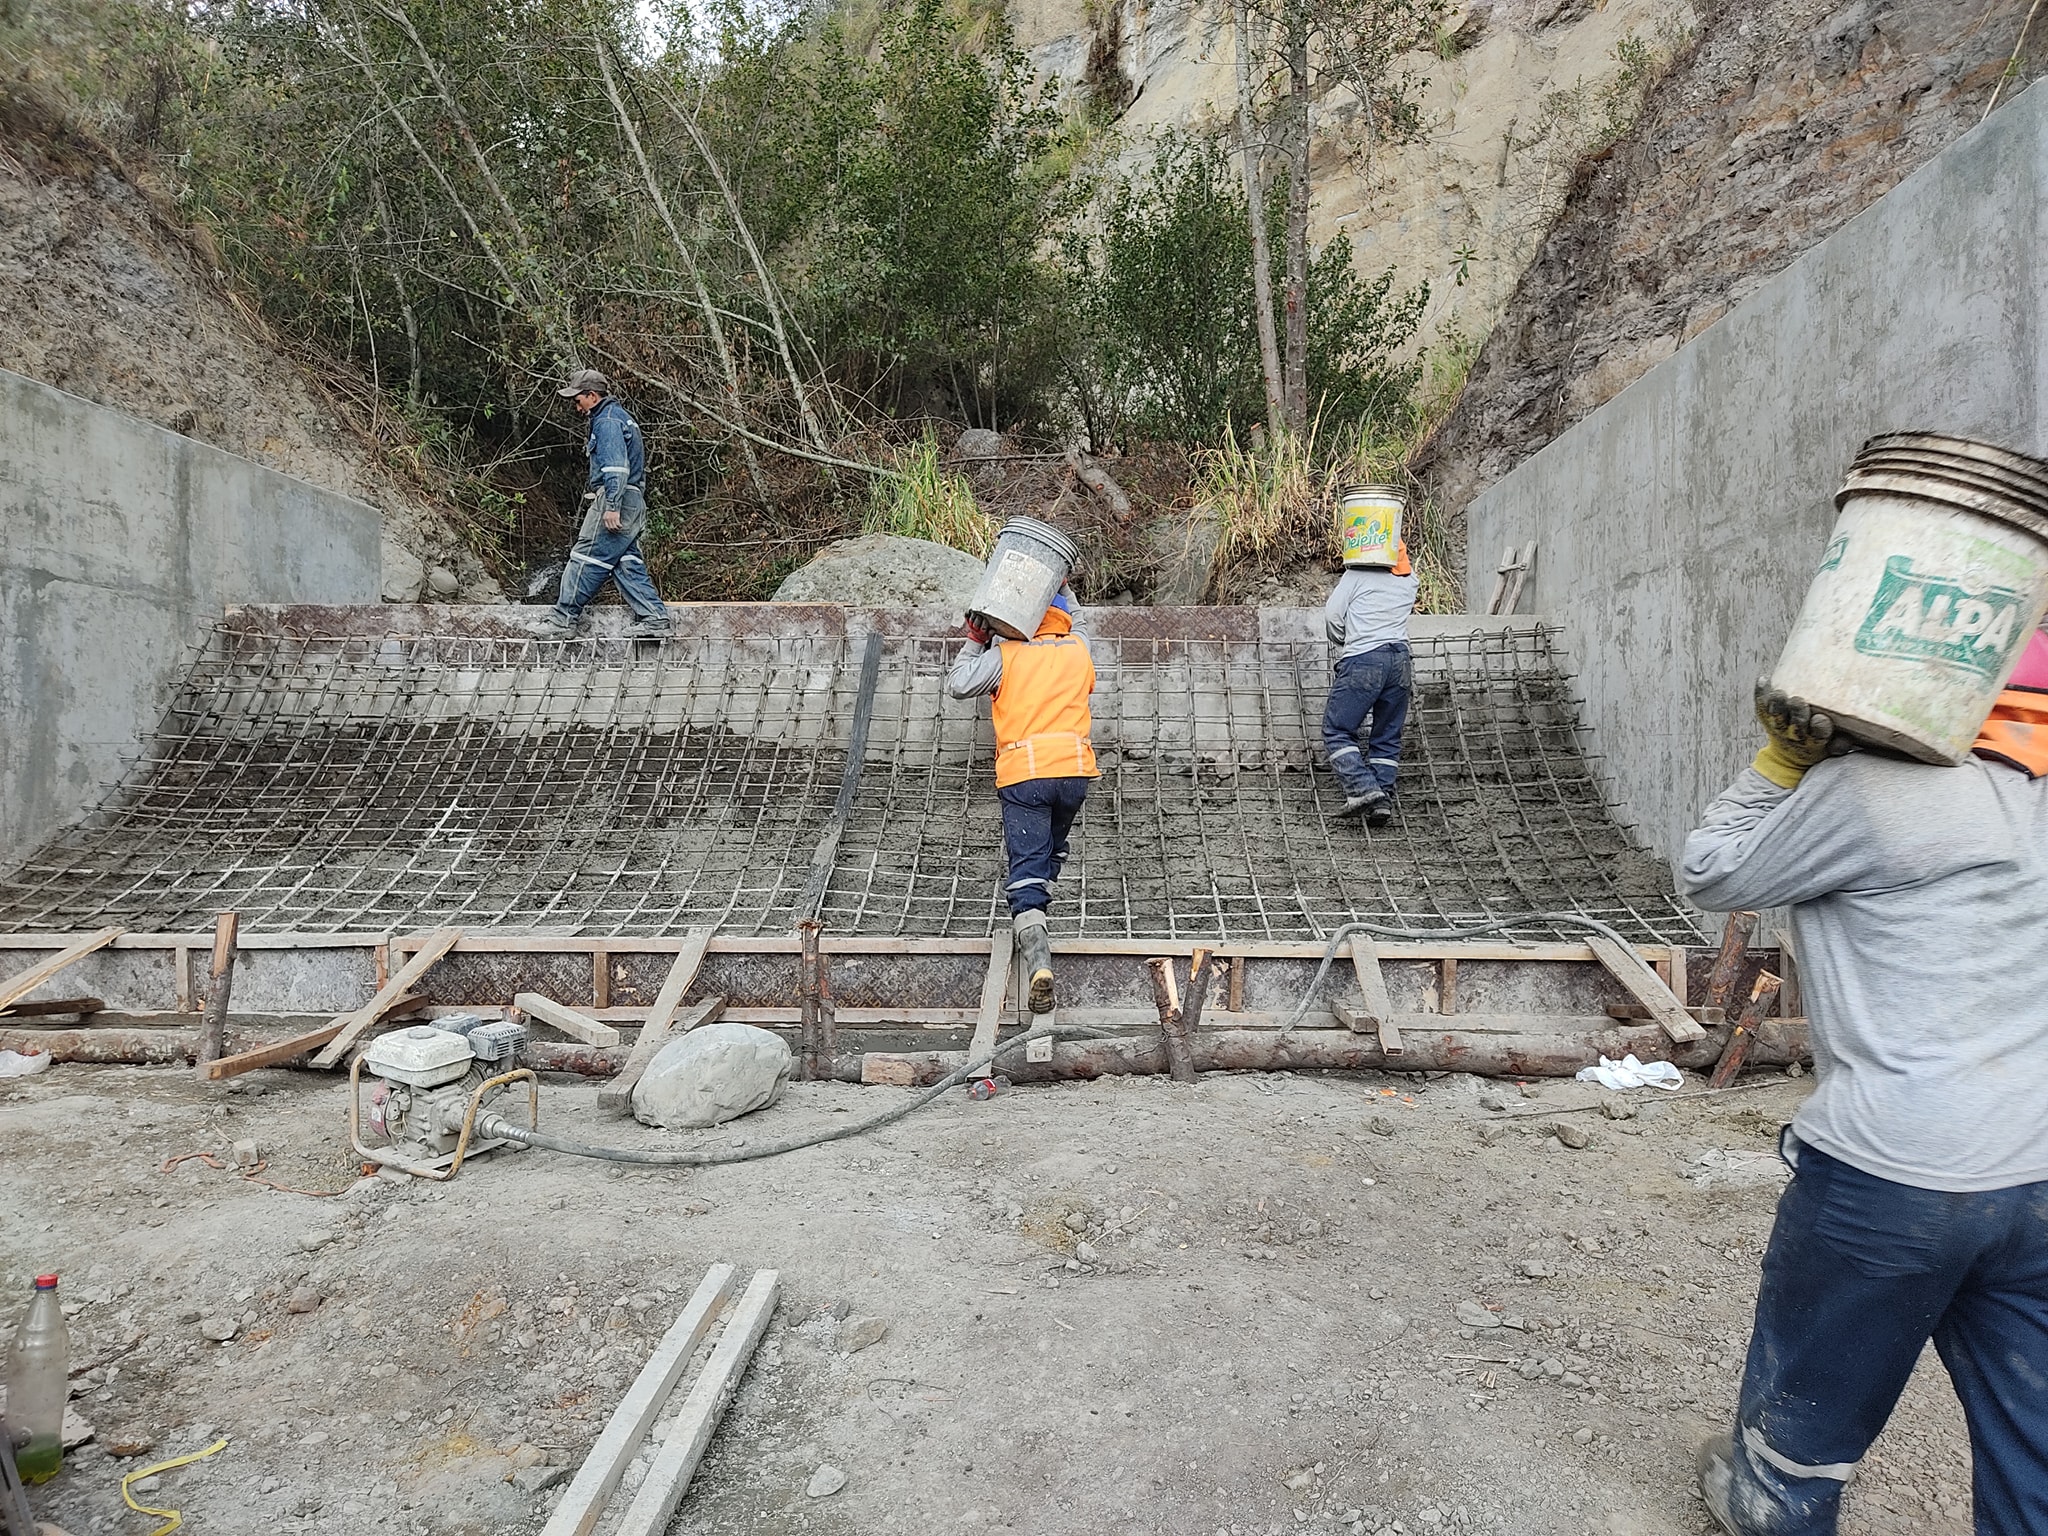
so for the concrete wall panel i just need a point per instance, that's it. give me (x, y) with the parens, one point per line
(119, 544)
(1678, 525)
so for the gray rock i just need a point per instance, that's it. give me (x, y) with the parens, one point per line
(1380, 1125)
(404, 576)
(1492, 1100)
(980, 443)
(712, 1075)
(305, 1299)
(1474, 1315)
(316, 1239)
(882, 569)
(828, 1479)
(1181, 550)
(857, 1333)
(1535, 1269)
(1577, 1137)
(443, 582)
(246, 1155)
(1086, 1253)
(1615, 1107)
(220, 1329)
(532, 1480)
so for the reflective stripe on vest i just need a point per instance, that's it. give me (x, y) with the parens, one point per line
(1041, 711)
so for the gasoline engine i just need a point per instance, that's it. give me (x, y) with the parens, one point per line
(427, 1086)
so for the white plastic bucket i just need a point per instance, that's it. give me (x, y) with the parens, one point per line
(1024, 572)
(1934, 578)
(1369, 524)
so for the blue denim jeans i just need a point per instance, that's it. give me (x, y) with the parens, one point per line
(1375, 686)
(1860, 1273)
(602, 554)
(1037, 815)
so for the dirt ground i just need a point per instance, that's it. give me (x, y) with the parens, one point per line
(1112, 1306)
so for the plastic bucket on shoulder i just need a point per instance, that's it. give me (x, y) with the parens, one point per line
(1935, 577)
(1024, 572)
(1369, 524)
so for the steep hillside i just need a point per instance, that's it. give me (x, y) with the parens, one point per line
(109, 297)
(1781, 123)
(1513, 94)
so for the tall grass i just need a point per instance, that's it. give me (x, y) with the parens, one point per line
(925, 500)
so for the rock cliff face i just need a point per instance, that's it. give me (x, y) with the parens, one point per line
(1513, 93)
(1780, 123)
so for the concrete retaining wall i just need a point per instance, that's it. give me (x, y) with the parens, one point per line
(120, 544)
(1678, 525)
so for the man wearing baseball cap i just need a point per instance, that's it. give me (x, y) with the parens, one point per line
(608, 543)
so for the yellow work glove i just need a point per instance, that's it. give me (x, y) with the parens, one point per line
(1798, 736)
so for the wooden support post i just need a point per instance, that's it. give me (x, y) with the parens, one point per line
(1180, 1056)
(810, 995)
(1627, 967)
(1372, 981)
(584, 1499)
(1447, 989)
(1743, 1036)
(1236, 1002)
(600, 977)
(661, 1025)
(181, 977)
(19, 985)
(995, 992)
(690, 1436)
(213, 1027)
(1679, 981)
(1201, 978)
(352, 1027)
(1735, 935)
(577, 1026)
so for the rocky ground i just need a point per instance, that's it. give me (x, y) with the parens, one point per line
(1264, 1304)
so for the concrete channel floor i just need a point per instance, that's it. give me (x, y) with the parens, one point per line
(1260, 1334)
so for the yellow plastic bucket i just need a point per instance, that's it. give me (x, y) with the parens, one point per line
(1369, 524)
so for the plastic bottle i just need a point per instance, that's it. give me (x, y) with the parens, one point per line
(37, 1386)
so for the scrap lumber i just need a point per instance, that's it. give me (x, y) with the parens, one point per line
(213, 1024)
(1201, 978)
(1742, 1038)
(577, 1026)
(660, 1025)
(1641, 1015)
(1647, 987)
(276, 1054)
(573, 1057)
(995, 991)
(19, 985)
(1735, 936)
(55, 1007)
(351, 1027)
(1779, 1042)
(584, 1500)
(1180, 1055)
(1372, 981)
(690, 1436)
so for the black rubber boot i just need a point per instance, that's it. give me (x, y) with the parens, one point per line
(1034, 955)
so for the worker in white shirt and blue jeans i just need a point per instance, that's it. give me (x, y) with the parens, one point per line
(1366, 619)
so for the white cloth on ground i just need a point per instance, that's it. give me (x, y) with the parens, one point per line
(1630, 1073)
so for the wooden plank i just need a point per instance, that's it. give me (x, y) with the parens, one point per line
(669, 1478)
(656, 1031)
(1637, 1013)
(577, 1026)
(353, 1026)
(601, 977)
(618, 1093)
(1629, 968)
(995, 988)
(54, 1006)
(1372, 981)
(274, 1055)
(1447, 989)
(19, 985)
(584, 1499)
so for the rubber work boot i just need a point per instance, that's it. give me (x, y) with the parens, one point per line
(559, 623)
(1717, 1477)
(1034, 953)
(1354, 806)
(1379, 809)
(648, 629)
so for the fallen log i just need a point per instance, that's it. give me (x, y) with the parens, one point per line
(577, 1058)
(105, 1047)
(1777, 1044)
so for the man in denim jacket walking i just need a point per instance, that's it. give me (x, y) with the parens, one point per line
(1366, 619)
(608, 543)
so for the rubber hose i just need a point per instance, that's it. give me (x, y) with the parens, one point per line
(1388, 931)
(496, 1127)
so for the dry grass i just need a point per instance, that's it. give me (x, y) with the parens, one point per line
(925, 500)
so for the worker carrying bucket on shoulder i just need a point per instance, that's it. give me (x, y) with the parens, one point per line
(1040, 683)
(1899, 810)
(1366, 619)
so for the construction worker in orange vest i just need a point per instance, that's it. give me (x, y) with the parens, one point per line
(1044, 761)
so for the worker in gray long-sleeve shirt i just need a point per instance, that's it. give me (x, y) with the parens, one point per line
(1366, 619)
(1918, 1206)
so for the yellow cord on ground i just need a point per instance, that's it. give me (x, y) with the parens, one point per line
(174, 1519)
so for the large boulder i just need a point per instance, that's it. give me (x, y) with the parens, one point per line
(712, 1075)
(881, 570)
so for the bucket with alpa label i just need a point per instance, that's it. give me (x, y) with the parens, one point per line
(1934, 578)
(1369, 524)
(1030, 561)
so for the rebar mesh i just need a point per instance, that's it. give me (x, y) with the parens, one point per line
(350, 783)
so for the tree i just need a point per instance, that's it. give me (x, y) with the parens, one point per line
(1290, 52)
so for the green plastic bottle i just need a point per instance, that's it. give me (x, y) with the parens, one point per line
(37, 1386)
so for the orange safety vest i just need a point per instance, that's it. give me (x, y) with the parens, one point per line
(1040, 709)
(2017, 732)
